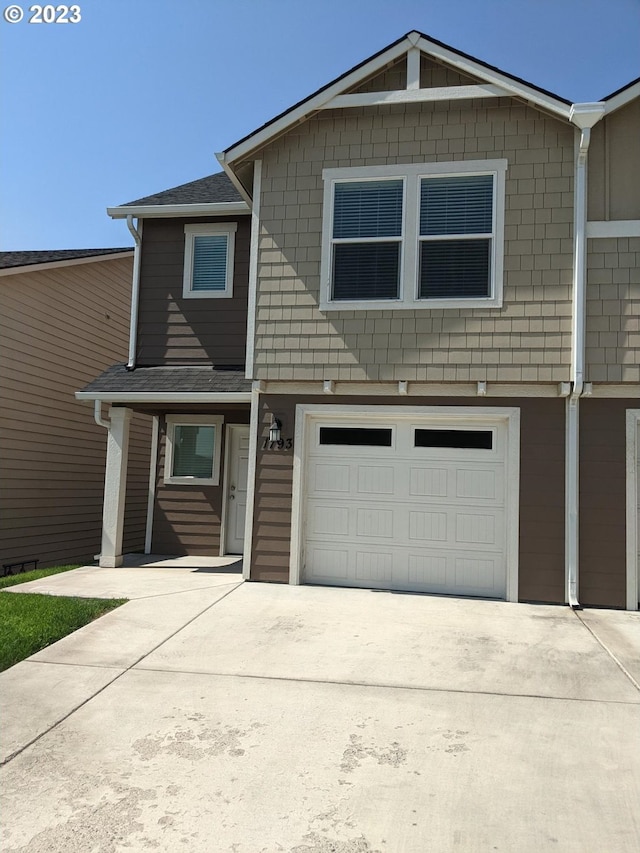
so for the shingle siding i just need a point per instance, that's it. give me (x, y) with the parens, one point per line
(528, 339)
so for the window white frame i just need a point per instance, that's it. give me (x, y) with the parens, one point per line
(215, 421)
(412, 175)
(209, 230)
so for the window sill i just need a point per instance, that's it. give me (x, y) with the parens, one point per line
(406, 305)
(191, 481)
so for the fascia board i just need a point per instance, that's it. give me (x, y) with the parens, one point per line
(512, 87)
(69, 262)
(622, 98)
(164, 397)
(300, 113)
(158, 211)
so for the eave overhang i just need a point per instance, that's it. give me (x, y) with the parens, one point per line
(172, 211)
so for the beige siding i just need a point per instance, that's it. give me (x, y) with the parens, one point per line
(58, 329)
(613, 310)
(173, 330)
(528, 339)
(614, 165)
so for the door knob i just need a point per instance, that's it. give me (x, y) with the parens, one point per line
(232, 497)
(233, 488)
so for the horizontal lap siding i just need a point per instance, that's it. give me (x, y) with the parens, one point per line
(177, 331)
(58, 329)
(541, 489)
(614, 165)
(187, 519)
(603, 501)
(528, 339)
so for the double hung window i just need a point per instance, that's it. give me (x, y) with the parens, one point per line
(415, 236)
(208, 260)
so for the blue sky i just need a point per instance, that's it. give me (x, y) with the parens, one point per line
(139, 95)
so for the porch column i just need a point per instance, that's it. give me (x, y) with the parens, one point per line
(115, 484)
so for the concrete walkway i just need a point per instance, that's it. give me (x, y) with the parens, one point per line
(211, 715)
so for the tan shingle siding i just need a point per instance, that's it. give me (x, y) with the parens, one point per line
(613, 310)
(506, 344)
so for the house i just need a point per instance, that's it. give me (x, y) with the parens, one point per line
(64, 315)
(437, 386)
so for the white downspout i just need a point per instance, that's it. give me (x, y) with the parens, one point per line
(97, 415)
(136, 233)
(584, 116)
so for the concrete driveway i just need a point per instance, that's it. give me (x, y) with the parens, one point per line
(210, 715)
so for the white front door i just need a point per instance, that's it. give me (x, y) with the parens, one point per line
(236, 493)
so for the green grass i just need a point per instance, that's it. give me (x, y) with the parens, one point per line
(36, 574)
(30, 622)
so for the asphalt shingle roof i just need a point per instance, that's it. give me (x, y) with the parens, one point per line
(47, 256)
(118, 379)
(212, 189)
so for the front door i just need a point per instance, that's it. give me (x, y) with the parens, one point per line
(236, 496)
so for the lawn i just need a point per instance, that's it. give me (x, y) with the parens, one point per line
(30, 622)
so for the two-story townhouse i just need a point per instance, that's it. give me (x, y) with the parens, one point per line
(424, 316)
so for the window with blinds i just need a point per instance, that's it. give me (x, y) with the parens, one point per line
(367, 238)
(208, 260)
(413, 236)
(456, 230)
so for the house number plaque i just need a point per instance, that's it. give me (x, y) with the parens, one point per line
(281, 444)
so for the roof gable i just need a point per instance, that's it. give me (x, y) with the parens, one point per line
(355, 82)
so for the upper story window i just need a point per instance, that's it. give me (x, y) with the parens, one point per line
(208, 260)
(414, 236)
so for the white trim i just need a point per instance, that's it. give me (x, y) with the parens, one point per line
(377, 63)
(630, 391)
(164, 397)
(153, 476)
(160, 211)
(212, 229)
(511, 416)
(71, 262)
(622, 98)
(136, 233)
(614, 228)
(413, 68)
(411, 96)
(410, 239)
(251, 481)
(254, 250)
(633, 487)
(172, 421)
(423, 389)
(115, 487)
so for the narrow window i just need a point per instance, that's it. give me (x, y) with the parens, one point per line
(356, 436)
(454, 438)
(193, 446)
(456, 234)
(208, 260)
(367, 239)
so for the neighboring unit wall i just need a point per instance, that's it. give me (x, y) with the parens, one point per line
(614, 165)
(187, 519)
(541, 558)
(177, 331)
(603, 501)
(528, 339)
(58, 329)
(613, 310)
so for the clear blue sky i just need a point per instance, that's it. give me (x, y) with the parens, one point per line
(139, 95)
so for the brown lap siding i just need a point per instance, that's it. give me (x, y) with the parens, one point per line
(603, 501)
(186, 519)
(541, 565)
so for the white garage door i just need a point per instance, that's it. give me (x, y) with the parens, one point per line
(410, 504)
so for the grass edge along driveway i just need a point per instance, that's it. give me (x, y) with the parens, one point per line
(30, 622)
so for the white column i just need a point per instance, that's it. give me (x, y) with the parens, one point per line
(115, 484)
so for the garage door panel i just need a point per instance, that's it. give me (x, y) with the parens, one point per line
(327, 563)
(429, 482)
(376, 479)
(330, 478)
(375, 523)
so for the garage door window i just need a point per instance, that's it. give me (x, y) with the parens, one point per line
(356, 436)
(455, 438)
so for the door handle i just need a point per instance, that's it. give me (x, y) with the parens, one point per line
(233, 488)
(232, 497)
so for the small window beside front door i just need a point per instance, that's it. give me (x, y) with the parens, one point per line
(193, 450)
